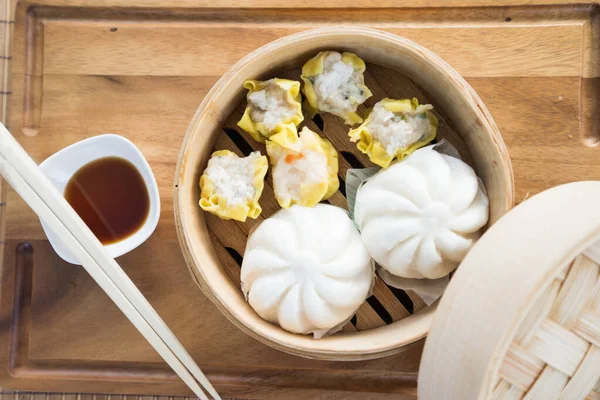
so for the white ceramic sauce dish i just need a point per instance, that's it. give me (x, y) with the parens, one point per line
(61, 166)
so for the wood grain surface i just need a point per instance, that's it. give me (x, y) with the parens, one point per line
(191, 4)
(140, 69)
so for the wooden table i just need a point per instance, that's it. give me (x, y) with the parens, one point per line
(140, 68)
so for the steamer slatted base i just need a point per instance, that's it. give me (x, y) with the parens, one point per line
(387, 304)
(556, 352)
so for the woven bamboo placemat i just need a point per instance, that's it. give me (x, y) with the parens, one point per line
(18, 395)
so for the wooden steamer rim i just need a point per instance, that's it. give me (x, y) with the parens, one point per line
(496, 287)
(452, 92)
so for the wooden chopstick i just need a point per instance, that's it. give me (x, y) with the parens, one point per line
(41, 195)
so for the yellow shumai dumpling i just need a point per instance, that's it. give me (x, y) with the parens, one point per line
(335, 83)
(273, 106)
(394, 129)
(230, 186)
(305, 168)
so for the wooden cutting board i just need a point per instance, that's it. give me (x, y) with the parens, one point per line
(140, 68)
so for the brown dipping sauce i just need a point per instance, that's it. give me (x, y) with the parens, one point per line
(110, 195)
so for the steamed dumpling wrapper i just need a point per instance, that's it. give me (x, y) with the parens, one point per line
(231, 186)
(305, 168)
(307, 270)
(273, 106)
(429, 290)
(419, 217)
(335, 83)
(395, 129)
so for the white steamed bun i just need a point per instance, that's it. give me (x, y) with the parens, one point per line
(419, 217)
(306, 269)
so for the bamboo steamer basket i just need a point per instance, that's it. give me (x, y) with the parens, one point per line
(521, 317)
(202, 235)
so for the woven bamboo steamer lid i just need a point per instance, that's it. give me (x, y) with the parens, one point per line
(521, 317)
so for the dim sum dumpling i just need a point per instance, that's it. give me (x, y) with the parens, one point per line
(273, 106)
(305, 168)
(394, 129)
(335, 83)
(419, 217)
(230, 186)
(306, 269)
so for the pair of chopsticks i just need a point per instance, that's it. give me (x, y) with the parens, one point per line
(23, 174)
